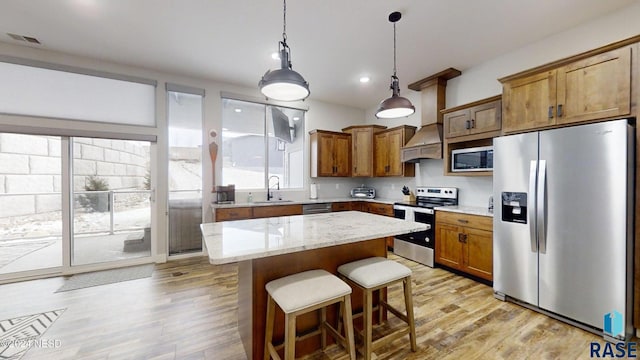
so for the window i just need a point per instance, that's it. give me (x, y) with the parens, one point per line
(185, 170)
(260, 141)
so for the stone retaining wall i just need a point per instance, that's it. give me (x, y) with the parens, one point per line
(31, 164)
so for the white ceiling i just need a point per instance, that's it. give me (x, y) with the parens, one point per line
(333, 42)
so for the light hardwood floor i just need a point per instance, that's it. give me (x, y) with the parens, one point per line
(193, 316)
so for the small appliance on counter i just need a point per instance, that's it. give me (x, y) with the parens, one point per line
(225, 194)
(363, 192)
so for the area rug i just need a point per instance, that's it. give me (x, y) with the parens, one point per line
(97, 278)
(19, 334)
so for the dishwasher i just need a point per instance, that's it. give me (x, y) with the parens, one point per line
(319, 208)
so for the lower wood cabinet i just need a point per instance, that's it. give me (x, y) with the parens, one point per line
(465, 242)
(276, 210)
(234, 213)
(256, 212)
(378, 208)
(357, 205)
(341, 206)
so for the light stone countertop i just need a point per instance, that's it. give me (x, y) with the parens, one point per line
(307, 201)
(232, 241)
(470, 210)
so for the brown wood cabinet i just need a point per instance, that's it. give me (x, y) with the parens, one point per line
(465, 242)
(276, 210)
(597, 87)
(330, 153)
(479, 117)
(342, 206)
(233, 213)
(388, 145)
(471, 125)
(378, 208)
(357, 205)
(362, 154)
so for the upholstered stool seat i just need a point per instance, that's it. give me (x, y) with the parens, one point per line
(302, 293)
(373, 274)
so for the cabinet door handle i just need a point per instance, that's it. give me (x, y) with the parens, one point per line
(467, 124)
(560, 110)
(462, 238)
(551, 112)
(463, 221)
(473, 123)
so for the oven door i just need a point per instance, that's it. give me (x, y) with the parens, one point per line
(421, 238)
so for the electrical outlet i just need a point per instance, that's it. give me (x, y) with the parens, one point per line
(393, 186)
(337, 186)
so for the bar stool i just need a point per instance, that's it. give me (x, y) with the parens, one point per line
(373, 274)
(302, 293)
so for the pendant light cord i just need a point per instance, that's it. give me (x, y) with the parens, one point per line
(394, 49)
(284, 21)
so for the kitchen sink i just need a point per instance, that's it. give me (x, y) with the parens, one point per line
(272, 201)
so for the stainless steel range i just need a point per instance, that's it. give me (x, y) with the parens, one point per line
(419, 246)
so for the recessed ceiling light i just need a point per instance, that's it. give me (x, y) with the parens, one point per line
(364, 79)
(238, 110)
(296, 118)
(275, 56)
(225, 129)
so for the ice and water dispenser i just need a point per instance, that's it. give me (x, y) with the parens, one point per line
(514, 207)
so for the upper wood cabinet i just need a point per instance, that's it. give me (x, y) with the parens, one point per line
(330, 153)
(362, 154)
(388, 145)
(596, 87)
(475, 118)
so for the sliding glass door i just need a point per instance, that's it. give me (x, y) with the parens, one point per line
(70, 203)
(30, 203)
(111, 200)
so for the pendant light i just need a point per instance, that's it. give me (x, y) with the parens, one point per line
(396, 106)
(284, 84)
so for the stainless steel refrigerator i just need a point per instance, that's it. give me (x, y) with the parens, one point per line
(563, 221)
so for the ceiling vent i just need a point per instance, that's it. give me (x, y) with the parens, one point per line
(28, 39)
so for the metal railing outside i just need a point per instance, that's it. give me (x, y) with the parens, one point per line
(83, 204)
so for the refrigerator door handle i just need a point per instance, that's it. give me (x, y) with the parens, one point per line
(541, 208)
(533, 171)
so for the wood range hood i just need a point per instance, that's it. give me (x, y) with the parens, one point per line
(427, 142)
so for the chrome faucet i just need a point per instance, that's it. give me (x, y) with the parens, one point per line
(269, 193)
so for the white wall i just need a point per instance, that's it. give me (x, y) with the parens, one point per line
(480, 82)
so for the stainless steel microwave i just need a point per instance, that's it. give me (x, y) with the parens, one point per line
(472, 159)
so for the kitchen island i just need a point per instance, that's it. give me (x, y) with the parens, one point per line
(270, 248)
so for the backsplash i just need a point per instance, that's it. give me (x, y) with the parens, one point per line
(391, 187)
(472, 190)
(330, 188)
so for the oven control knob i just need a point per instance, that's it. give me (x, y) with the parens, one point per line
(427, 240)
